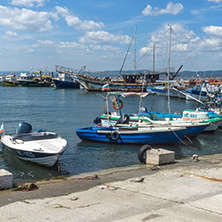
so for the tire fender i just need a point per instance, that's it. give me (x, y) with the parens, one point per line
(114, 135)
(142, 152)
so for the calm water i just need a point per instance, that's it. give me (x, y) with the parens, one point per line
(63, 111)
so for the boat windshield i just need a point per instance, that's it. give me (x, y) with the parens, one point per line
(35, 136)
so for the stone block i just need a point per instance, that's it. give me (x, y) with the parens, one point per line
(6, 179)
(160, 156)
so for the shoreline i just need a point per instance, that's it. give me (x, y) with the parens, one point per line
(186, 190)
(65, 185)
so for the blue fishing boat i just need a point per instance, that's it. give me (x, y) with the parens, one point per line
(60, 84)
(65, 81)
(126, 134)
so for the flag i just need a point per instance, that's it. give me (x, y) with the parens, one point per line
(105, 87)
(2, 129)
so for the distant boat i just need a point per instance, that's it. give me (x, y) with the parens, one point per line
(30, 80)
(125, 82)
(65, 81)
(39, 147)
(2, 78)
(11, 80)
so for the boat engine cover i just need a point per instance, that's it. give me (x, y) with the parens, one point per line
(124, 119)
(24, 128)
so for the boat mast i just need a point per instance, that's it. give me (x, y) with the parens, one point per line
(168, 73)
(135, 49)
(126, 55)
(153, 58)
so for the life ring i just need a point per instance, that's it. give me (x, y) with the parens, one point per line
(116, 103)
(108, 135)
(114, 135)
(142, 151)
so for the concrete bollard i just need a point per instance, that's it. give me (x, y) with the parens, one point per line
(160, 156)
(6, 179)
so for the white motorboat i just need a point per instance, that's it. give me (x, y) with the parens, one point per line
(39, 147)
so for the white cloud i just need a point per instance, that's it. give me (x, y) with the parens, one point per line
(43, 43)
(30, 50)
(183, 42)
(171, 8)
(217, 1)
(59, 47)
(103, 48)
(25, 19)
(9, 35)
(186, 47)
(214, 42)
(28, 3)
(70, 45)
(75, 22)
(181, 35)
(102, 37)
(215, 31)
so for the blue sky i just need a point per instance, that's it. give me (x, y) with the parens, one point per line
(97, 33)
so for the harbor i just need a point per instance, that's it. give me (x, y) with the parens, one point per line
(63, 111)
(110, 111)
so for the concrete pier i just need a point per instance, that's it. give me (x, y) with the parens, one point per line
(184, 191)
(160, 156)
(6, 179)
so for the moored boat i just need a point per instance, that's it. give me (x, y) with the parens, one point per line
(126, 82)
(126, 134)
(11, 80)
(2, 78)
(143, 119)
(198, 115)
(65, 81)
(39, 147)
(30, 80)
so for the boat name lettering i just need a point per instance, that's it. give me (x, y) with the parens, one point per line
(187, 115)
(25, 153)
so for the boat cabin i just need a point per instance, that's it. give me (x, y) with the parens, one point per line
(140, 77)
(26, 76)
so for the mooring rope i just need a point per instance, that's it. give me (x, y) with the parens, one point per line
(183, 141)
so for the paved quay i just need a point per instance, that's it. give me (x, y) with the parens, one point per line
(183, 191)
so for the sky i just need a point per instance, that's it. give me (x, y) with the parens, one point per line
(35, 34)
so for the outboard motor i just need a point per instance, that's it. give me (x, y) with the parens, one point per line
(124, 119)
(143, 109)
(41, 130)
(97, 120)
(24, 128)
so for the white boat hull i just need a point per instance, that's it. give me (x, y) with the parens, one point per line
(42, 148)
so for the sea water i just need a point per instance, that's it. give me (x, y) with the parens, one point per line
(65, 110)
